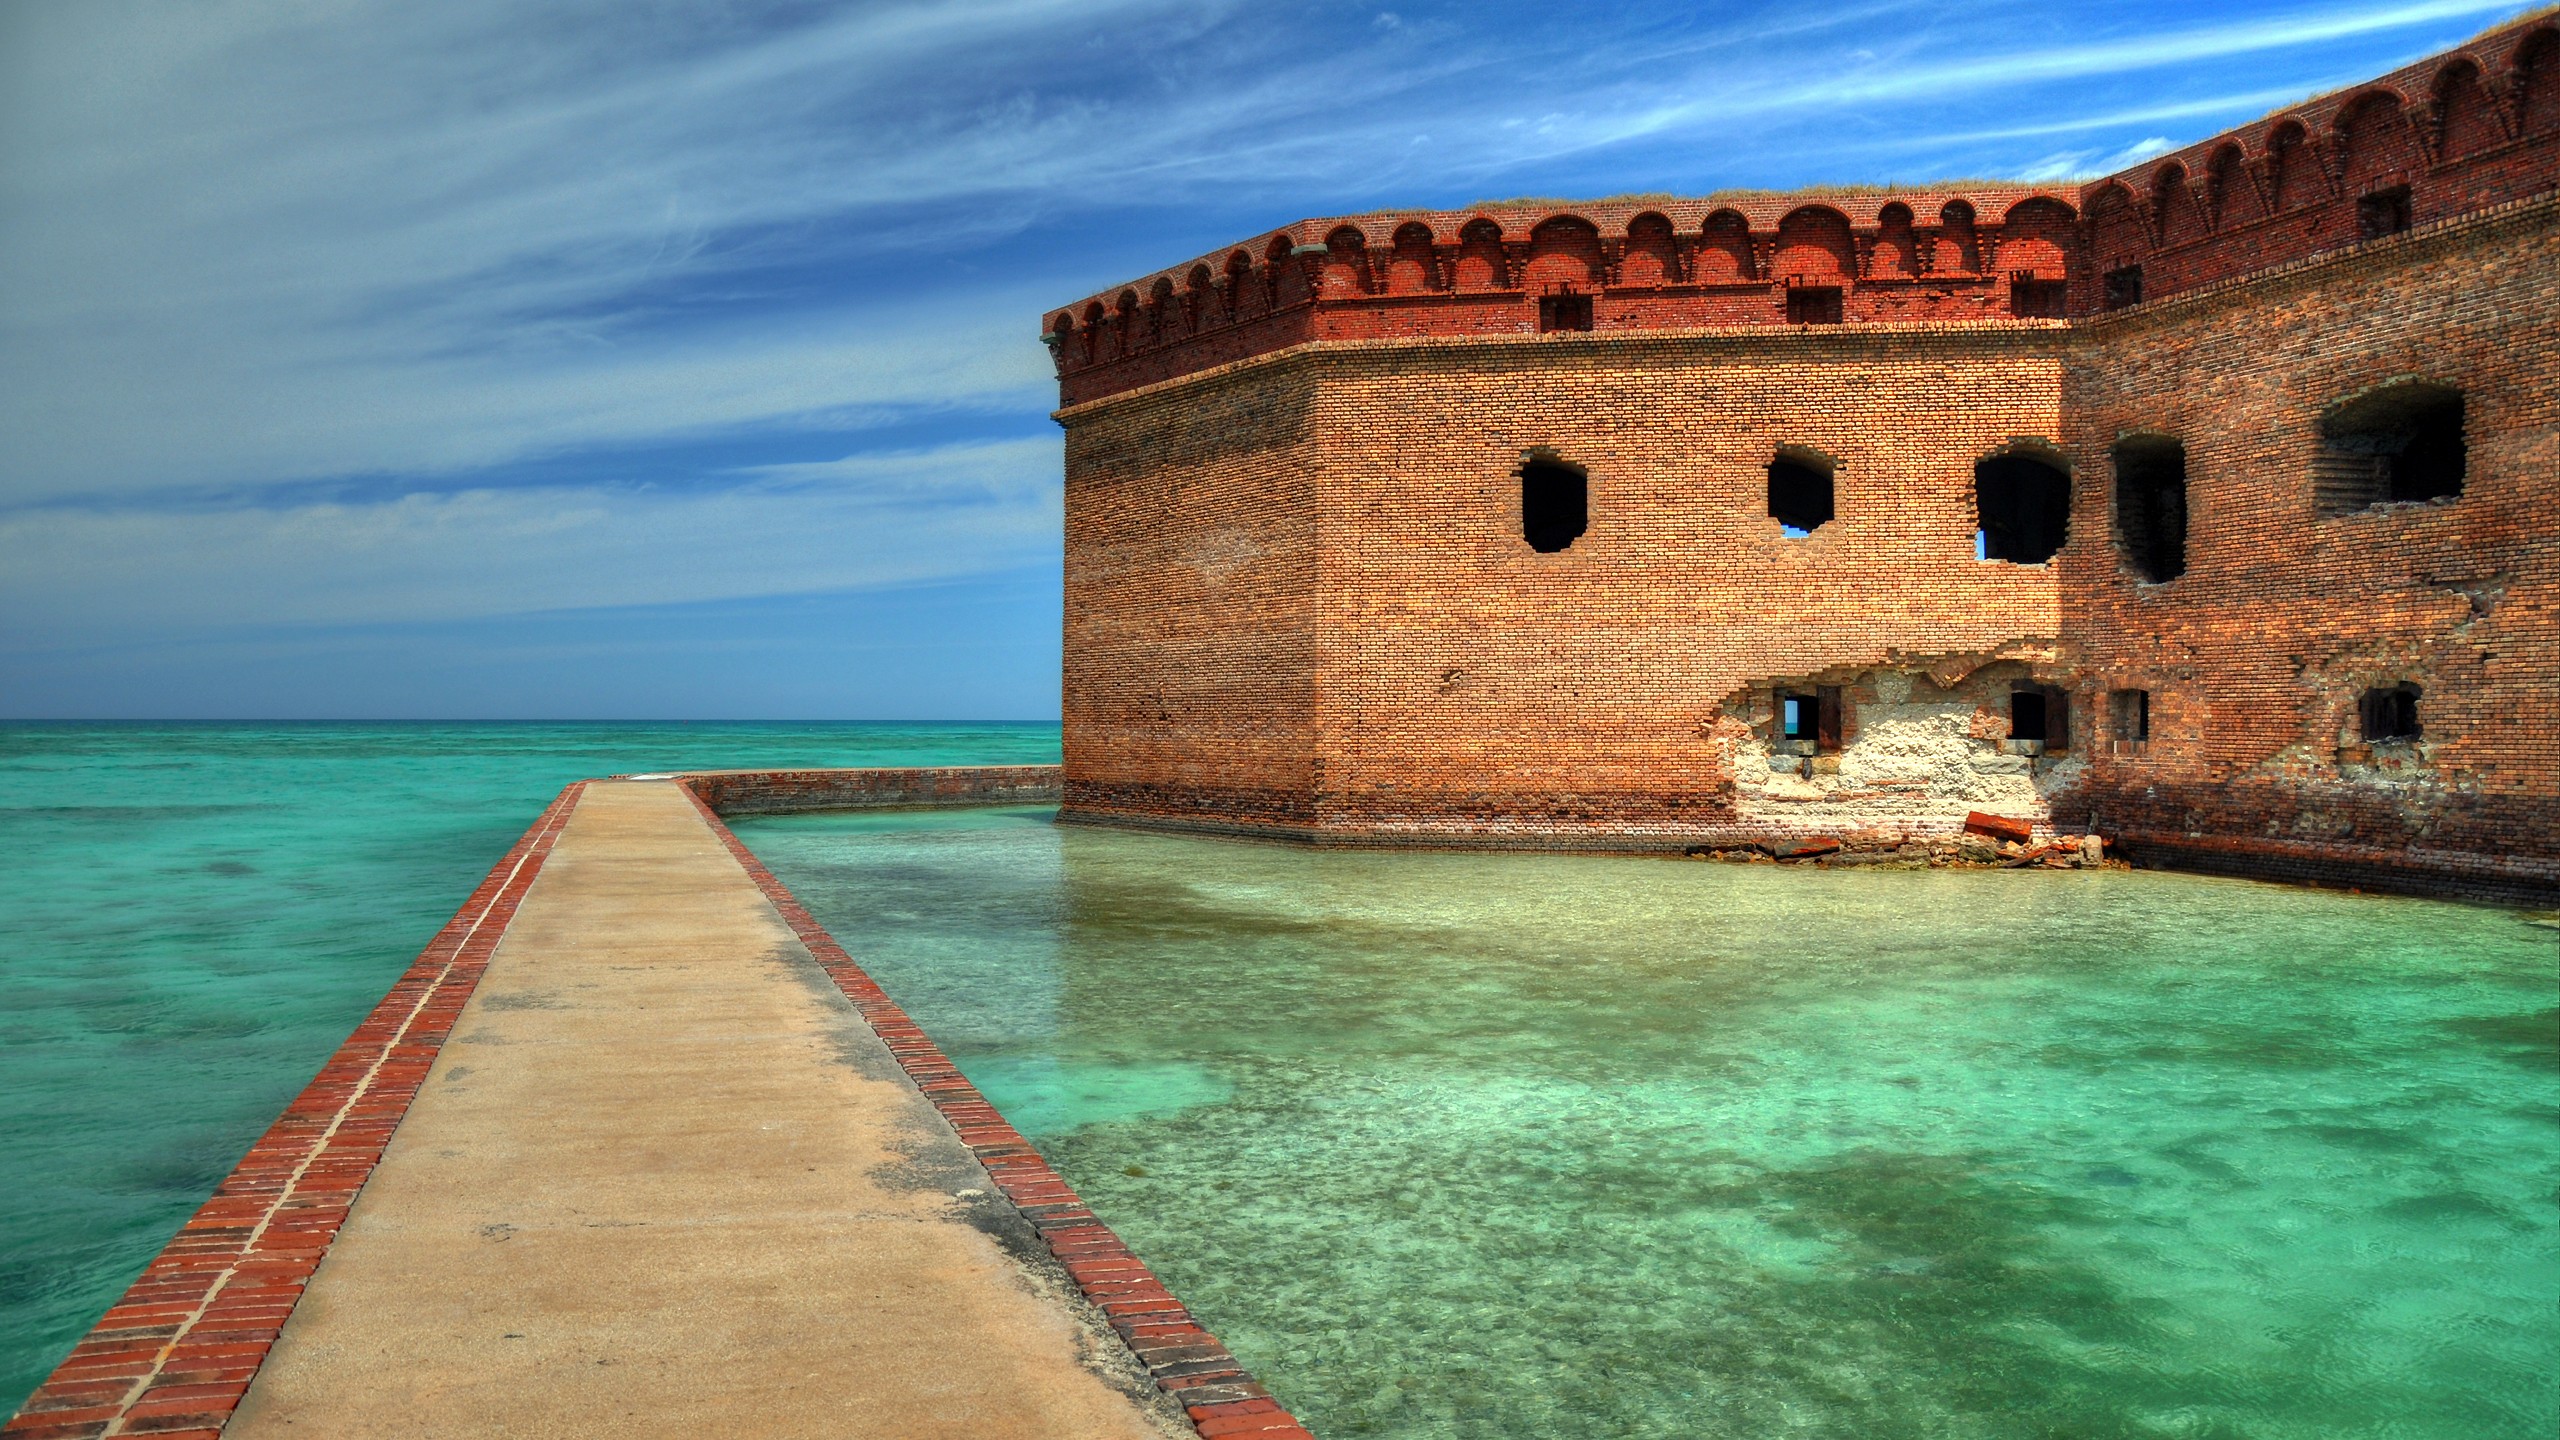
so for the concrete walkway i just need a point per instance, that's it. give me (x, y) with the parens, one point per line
(664, 1180)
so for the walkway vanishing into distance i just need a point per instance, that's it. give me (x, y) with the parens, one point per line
(634, 1150)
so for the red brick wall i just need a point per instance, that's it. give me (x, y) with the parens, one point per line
(1190, 602)
(2255, 658)
(1650, 265)
(1473, 683)
(2473, 128)
(1298, 596)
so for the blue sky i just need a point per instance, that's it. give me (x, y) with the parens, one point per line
(655, 359)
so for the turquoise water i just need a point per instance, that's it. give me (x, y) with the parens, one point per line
(194, 916)
(1500, 1145)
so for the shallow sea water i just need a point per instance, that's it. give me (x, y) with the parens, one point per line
(1509, 1145)
(193, 916)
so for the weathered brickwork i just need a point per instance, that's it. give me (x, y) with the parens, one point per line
(785, 792)
(1473, 682)
(1191, 602)
(2255, 659)
(1309, 592)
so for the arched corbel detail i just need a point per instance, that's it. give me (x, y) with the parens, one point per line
(2506, 99)
(2426, 122)
(2202, 193)
(2261, 170)
(2146, 213)
(2329, 151)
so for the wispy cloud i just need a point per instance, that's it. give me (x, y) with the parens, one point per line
(408, 255)
(82, 576)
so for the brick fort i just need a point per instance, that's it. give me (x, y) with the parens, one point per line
(2208, 506)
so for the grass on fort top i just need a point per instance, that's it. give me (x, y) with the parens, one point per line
(1636, 197)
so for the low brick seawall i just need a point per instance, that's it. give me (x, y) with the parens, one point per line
(2432, 874)
(2503, 878)
(782, 792)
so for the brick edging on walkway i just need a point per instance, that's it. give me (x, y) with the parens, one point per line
(173, 1357)
(1222, 1399)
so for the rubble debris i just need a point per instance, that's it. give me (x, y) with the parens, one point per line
(1895, 851)
(1998, 827)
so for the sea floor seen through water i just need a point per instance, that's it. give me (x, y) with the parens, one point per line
(1506, 1145)
(193, 916)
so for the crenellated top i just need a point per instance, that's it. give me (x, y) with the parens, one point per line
(2459, 132)
(2473, 127)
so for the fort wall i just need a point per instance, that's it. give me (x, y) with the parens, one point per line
(1476, 685)
(2254, 660)
(2210, 506)
(1191, 611)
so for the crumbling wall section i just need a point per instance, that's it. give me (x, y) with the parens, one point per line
(1920, 749)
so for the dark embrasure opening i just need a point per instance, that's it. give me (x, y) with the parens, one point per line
(2390, 713)
(2151, 506)
(1800, 491)
(2402, 442)
(1555, 504)
(2023, 506)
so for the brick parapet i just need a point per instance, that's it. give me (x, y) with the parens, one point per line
(2458, 133)
(773, 792)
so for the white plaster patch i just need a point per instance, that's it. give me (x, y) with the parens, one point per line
(1913, 766)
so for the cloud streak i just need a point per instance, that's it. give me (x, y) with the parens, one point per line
(284, 282)
(77, 577)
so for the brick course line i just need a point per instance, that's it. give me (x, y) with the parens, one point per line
(174, 1355)
(1184, 1360)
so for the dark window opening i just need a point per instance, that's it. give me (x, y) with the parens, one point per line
(2124, 286)
(1813, 305)
(1800, 491)
(1810, 718)
(1555, 504)
(1564, 311)
(2023, 506)
(2129, 714)
(2151, 506)
(2399, 443)
(2040, 713)
(2034, 299)
(2390, 713)
(2384, 212)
